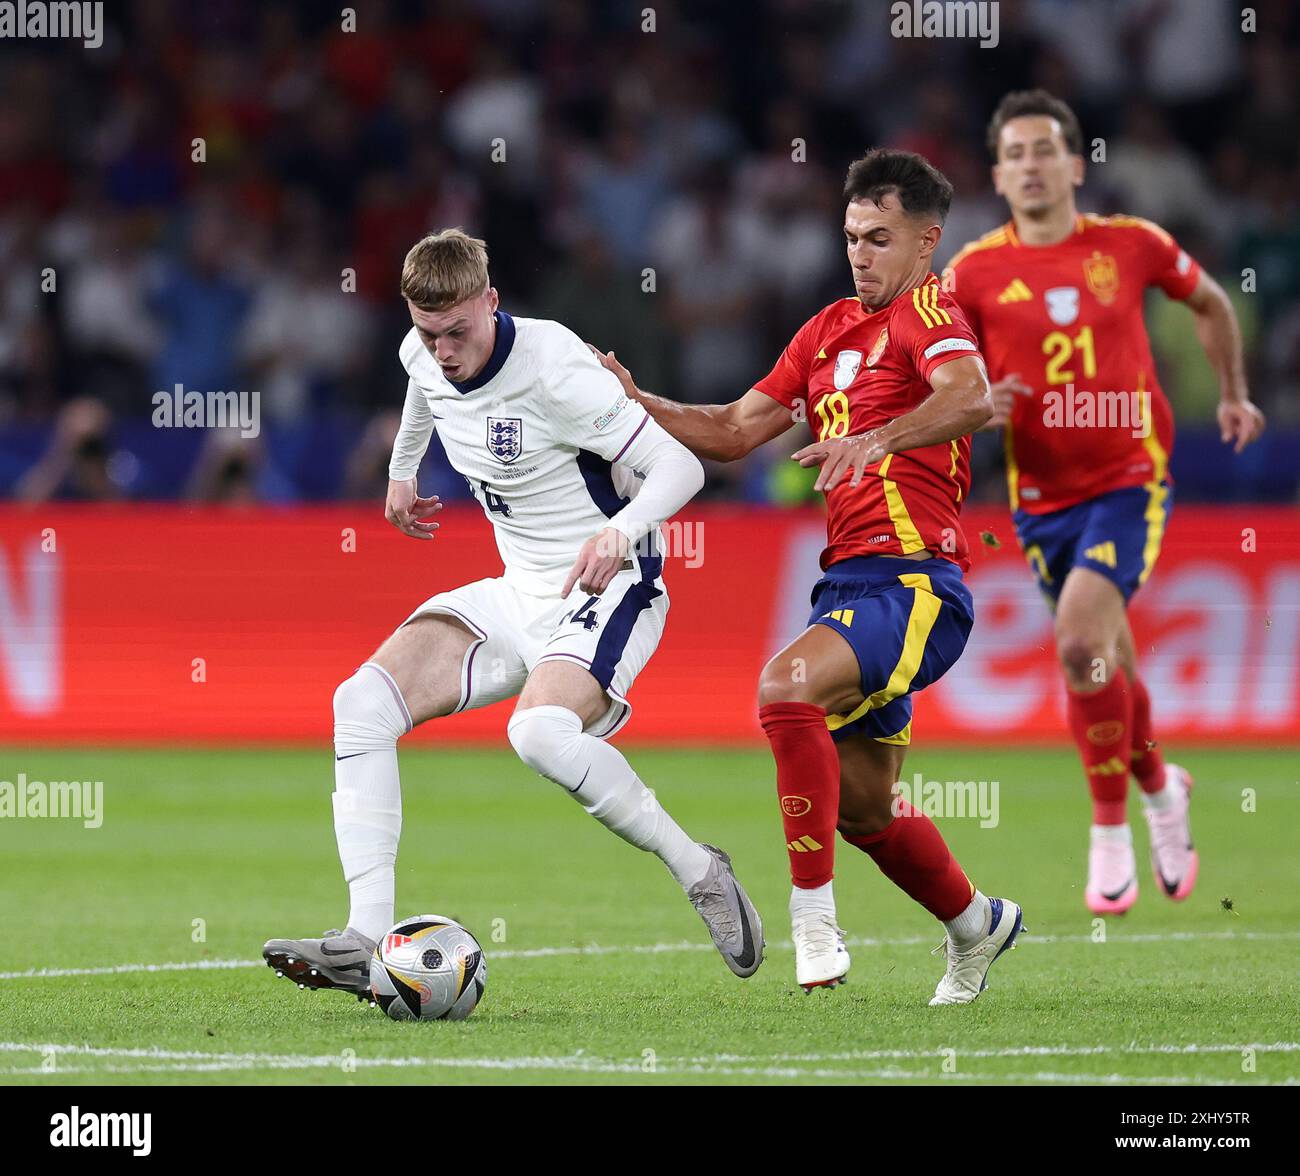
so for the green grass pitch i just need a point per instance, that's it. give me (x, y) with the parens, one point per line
(599, 971)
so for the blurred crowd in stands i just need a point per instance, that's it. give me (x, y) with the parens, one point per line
(670, 193)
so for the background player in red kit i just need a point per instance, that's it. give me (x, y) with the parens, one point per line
(892, 384)
(1056, 301)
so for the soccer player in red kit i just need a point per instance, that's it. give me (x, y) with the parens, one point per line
(892, 383)
(1056, 301)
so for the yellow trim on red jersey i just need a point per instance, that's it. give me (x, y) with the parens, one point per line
(919, 308)
(925, 300)
(993, 240)
(1120, 221)
(1016, 242)
(918, 303)
(1156, 514)
(1013, 470)
(909, 537)
(942, 314)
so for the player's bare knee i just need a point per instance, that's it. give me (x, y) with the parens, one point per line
(1079, 654)
(865, 820)
(785, 679)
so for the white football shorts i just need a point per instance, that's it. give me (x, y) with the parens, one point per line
(612, 635)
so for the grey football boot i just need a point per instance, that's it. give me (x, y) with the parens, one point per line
(338, 959)
(729, 915)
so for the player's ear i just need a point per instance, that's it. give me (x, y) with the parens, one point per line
(493, 299)
(1076, 171)
(930, 240)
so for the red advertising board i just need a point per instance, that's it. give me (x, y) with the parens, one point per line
(165, 624)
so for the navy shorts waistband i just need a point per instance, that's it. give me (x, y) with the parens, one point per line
(873, 567)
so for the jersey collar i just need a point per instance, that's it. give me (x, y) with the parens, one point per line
(505, 340)
(1017, 243)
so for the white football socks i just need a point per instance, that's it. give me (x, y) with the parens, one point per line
(369, 717)
(1121, 833)
(550, 740)
(1167, 797)
(972, 923)
(815, 898)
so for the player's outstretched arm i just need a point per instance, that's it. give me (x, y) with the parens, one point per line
(720, 432)
(960, 403)
(1240, 421)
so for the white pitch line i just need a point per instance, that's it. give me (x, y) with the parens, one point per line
(655, 949)
(123, 969)
(596, 949)
(186, 1063)
(1019, 1051)
(580, 1061)
(1039, 1078)
(197, 1062)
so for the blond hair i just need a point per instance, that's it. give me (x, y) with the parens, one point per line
(445, 269)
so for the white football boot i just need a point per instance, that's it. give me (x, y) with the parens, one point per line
(820, 957)
(968, 966)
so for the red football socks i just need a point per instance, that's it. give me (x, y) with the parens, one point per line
(913, 855)
(808, 783)
(1102, 726)
(1148, 763)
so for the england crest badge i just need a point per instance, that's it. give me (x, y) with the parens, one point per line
(505, 438)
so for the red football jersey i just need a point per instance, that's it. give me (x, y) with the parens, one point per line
(854, 370)
(1068, 318)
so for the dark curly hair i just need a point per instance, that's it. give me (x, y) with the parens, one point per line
(922, 189)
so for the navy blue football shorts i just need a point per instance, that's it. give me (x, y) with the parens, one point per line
(907, 621)
(1117, 535)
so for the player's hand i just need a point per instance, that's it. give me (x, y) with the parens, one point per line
(1239, 421)
(609, 361)
(407, 511)
(1005, 392)
(599, 561)
(839, 455)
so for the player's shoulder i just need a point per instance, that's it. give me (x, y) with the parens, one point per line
(925, 307)
(565, 368)
(829, 318)
(548, 340)
(1122, 227)
(982, 249)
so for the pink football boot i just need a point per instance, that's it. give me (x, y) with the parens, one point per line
(1174, 860)
(1112, 874)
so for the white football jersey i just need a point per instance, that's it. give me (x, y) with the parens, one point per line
(546, 439)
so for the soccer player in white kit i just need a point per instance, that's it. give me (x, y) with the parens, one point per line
(576, 479)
